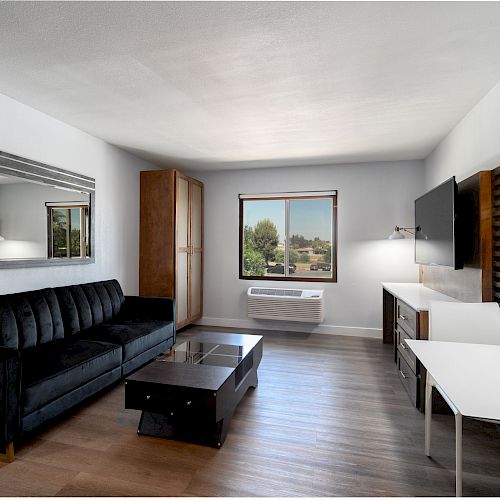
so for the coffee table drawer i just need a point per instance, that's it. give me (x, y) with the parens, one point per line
(169, 400)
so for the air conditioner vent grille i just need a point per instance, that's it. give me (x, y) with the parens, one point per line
(286, 304)
(276, 291)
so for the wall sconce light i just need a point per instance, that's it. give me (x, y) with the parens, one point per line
(398, 235)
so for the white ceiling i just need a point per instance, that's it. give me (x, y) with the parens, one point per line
(237, 85)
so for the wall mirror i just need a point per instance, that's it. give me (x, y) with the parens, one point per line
(46, 214)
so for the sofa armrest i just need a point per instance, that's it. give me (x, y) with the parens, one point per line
(162, 308)
(10, 396)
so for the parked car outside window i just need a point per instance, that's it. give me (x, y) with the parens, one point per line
(280, 269)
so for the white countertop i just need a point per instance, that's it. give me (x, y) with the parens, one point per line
(467, 373)
(416, 295)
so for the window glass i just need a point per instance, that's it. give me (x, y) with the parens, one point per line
(75, 231)
(310, 240)
(59, 232)
(292, 238)
(263, 237)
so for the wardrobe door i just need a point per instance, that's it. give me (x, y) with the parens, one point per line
(182, 249)
(196, 251)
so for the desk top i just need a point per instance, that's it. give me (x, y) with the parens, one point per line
(416, 295)
(469, 374)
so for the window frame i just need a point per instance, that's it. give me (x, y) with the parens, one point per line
(85, 228)
(285, 197)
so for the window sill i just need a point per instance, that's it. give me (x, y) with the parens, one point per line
(289, 278)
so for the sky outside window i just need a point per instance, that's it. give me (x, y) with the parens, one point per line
(274, 210)
(311, 218)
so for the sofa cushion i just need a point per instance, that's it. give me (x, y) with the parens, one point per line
(47, 315)
(51, 370)
(69, 311)
(8, 326)
(116, 295)
(55, 312)
(94, 302)
(82, 306)
(25, 318)
(106, 305)
(135, 336)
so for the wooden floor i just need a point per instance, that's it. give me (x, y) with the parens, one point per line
(329, 418)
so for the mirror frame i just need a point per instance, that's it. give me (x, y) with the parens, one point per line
(17, 166)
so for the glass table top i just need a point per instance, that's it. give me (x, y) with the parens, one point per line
(203, 353)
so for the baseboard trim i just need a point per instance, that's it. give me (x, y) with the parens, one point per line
(352, 331)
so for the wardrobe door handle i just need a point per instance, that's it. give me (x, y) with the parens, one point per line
(403, 374)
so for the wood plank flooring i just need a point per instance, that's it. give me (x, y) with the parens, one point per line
(329, 418)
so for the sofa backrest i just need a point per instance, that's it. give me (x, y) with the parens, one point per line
(32, 318)
(87, 305)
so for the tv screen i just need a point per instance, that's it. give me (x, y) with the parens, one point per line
(435, 217)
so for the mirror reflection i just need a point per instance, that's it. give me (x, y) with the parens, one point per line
(39, 221)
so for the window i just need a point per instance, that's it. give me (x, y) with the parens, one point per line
(68, 230)
(289, 236)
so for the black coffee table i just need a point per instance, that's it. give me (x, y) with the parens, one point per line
(190, 393)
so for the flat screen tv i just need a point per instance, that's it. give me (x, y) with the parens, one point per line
(436, 230)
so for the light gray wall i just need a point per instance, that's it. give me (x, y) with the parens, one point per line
(23, 217)
(372, 198)
(473, 145)
(29, 133)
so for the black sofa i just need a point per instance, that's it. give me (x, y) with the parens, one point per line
(59, 346)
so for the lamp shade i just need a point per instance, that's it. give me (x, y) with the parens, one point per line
(396, 234)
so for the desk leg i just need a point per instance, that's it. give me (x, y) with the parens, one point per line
(428, 414)
(458, 454)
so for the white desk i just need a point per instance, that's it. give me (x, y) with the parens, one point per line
(468, 377)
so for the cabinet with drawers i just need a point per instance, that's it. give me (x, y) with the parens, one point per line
(406, 316)
(410, 324)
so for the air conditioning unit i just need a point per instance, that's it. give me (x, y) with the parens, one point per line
(286, 304)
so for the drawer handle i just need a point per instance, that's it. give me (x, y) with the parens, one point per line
(403, 317)
(148, 397)
(403, 374)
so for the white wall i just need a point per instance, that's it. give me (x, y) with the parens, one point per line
(372, 198)
(29, 133)
(23, 217)
(473, 145)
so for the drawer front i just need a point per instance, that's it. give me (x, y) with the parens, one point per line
(404, 350)
(407, 318)
(168, 400)
(408, 379)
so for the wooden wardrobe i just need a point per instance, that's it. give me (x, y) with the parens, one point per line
(171, 241)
